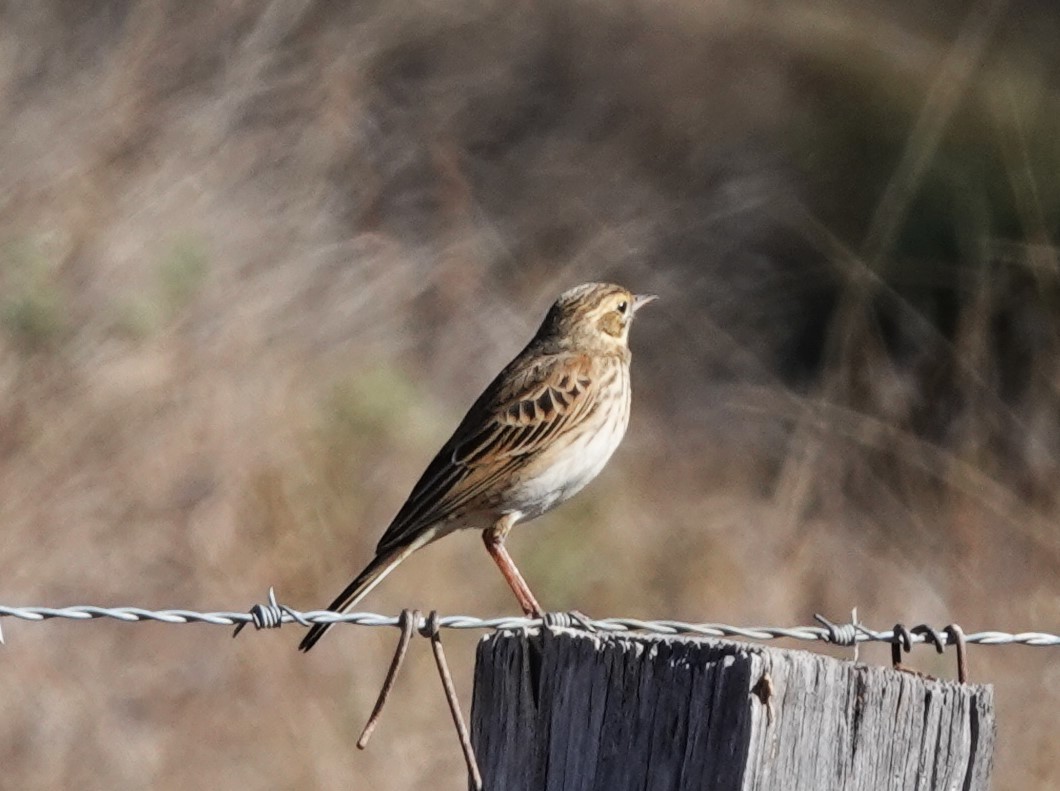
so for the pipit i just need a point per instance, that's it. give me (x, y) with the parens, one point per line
(539, 433)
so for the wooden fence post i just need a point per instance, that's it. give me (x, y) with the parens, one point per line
(565, 710)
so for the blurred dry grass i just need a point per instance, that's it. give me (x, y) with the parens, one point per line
(256, 258)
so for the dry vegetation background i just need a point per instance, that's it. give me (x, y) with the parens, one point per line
(257, 258)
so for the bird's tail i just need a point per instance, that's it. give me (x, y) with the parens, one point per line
(372, 575)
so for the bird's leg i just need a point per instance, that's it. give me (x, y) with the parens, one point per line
(493, 538)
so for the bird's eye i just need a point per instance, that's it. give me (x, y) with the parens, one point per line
(622, 306)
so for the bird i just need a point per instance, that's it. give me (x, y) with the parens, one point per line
(543, 429)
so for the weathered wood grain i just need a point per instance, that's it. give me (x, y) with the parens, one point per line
(571, 711)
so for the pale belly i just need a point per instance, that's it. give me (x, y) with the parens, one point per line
(566, 474)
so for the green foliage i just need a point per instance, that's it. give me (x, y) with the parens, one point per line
(560, 557)
(179, 278)
(182, 273)
(989, 178)
(368, 403)
(32, 304)
(137, 317)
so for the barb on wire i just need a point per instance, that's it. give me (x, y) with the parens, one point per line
(270, 616)
(842, 634)
(513, 623)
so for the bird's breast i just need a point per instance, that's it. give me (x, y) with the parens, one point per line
(574, 458)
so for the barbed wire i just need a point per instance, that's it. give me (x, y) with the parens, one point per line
(272, 614)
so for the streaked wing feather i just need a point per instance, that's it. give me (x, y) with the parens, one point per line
(519, 413)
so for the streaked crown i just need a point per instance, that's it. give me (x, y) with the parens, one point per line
(593, 316)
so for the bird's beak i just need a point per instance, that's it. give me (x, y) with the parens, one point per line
(640, 300)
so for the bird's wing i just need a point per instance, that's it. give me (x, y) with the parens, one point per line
(517, 415)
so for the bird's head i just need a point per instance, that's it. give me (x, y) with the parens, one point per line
(595, 316)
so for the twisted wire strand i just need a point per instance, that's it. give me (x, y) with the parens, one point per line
(272, 614)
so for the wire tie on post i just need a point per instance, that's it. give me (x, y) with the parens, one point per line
(555, 620)
(575, 619)
(902, 639)
(431, 631)
(856, 628)
(955, 634)
(580, 619)
(933, 636)
(407, 622)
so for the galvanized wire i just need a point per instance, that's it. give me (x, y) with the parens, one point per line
(272, 614)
